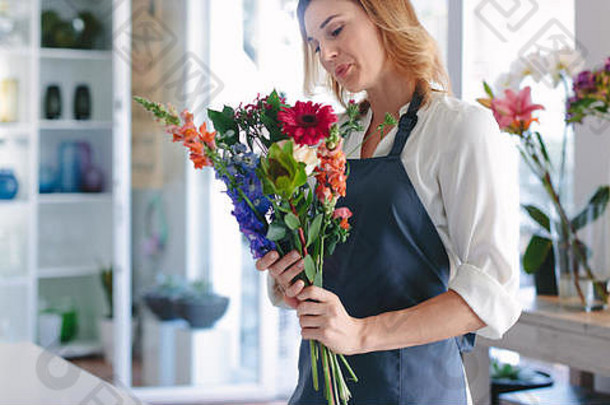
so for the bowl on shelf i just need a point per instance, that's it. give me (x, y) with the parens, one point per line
(201, 312)
(160, 298)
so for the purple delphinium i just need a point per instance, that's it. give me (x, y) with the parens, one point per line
(241, 168)
(585, 81)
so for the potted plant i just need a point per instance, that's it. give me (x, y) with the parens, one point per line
(106, 323)
(160, 298)
(201, 307)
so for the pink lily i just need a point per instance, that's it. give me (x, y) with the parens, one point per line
(514, 112)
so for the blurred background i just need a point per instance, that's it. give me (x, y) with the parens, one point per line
(109, 222)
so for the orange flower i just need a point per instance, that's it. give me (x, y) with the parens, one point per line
(330, 174)
(207, 137)
(194, 139)
(344, 224)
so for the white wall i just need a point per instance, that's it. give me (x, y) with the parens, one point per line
(592, 141)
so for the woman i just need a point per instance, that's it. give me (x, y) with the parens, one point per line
(433, 252)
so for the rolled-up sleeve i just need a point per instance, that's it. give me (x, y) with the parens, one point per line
(274, 294)
(479, 183)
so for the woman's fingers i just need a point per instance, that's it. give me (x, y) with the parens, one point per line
(267, 260)
(287, 275)
(278, 267)
(295, 289)
(310, 308)
(311, 321)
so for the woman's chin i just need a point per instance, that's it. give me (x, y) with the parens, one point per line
(351, 86)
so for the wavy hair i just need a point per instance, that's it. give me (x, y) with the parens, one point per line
(407, 44)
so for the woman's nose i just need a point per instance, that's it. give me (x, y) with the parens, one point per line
(328, 52)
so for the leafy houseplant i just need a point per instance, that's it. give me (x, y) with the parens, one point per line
(199, 306)
(514, 114)
(160, 299)
(106, 324)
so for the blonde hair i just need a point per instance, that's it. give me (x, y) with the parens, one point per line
(407, 44)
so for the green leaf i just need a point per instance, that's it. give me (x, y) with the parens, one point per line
(488, 90)
(276, 232)
(536, 253)
(543, 148)
(223, 121)
(539, 216)
(272, 125)
(317, 281)
(310, 268)
(292, 221)
(596, 207)
(330, 248)
(283, 206)
(314, 229)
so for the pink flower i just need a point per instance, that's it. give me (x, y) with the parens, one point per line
(342, 212)
(514, 112)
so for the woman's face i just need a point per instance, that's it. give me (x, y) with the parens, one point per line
(346, 41)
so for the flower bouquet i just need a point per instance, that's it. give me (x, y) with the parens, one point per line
(514, 114)
(284, 170)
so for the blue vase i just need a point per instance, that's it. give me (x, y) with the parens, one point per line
(69, 167)
(8, 184)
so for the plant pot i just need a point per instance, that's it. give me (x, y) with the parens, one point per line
(106, 333)
(202, 312)
(161, 305)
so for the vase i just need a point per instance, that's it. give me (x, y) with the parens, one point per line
(580, 260)
(52, 102)
(9, 186)
(82, 103)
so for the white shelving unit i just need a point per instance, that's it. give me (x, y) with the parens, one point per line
(52, 245)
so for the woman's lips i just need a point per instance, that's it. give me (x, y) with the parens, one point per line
(342, 70)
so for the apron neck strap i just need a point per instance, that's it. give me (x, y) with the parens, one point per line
(407, 123)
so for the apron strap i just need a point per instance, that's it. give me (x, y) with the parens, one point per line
(407, 123)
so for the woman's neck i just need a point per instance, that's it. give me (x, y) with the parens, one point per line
(389, 94)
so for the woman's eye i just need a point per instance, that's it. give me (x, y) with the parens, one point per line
(333, 33)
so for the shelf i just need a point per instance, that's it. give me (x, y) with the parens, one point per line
(74, 198)
(75, 54)
(76, 349)
(15, 51)
(17, 203)
(64, 125)
(68, 271)
(9, 128)
(13, 281)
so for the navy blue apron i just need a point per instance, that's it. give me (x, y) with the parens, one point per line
(393, 259)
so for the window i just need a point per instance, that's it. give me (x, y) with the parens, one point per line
(496, 34)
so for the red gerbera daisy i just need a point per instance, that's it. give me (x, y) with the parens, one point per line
(307, 123)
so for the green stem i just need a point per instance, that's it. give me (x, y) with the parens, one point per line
(349, 369)
(573, 240)
(314, 364)
(300, 230)
(333, 376)
(325, 368)
(344, 393)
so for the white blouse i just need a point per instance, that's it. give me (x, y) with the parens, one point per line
(465, 172)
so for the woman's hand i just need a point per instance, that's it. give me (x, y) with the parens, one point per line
(283, 271)
(327, 321)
